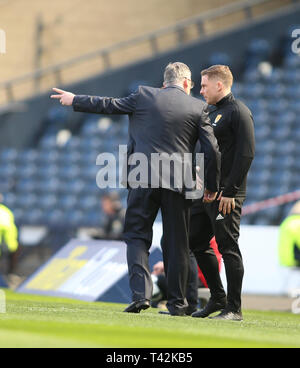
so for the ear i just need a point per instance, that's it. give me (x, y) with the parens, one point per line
(185, 84)
(220, 86)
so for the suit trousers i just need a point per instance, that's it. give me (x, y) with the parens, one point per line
(142, 210)
(207, 222)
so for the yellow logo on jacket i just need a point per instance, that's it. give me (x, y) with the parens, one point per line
(218, 118)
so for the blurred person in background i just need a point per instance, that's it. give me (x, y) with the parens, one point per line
(289, 239)
(8, 236)
(114, 218)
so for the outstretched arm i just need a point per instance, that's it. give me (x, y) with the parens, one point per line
(97, 105)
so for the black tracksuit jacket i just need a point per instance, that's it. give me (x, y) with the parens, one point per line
(234, 129)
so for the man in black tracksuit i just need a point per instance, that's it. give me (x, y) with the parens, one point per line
(234, 129)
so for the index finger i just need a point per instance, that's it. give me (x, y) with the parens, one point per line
(58, 90)
(221, 205)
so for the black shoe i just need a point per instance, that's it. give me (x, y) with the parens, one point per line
(137, 307)
(190, 310)
(211, 307)
(227, 315)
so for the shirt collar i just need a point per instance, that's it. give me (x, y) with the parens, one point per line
(175, 86)
(225, 99)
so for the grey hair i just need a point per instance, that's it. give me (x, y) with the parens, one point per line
(176, 73)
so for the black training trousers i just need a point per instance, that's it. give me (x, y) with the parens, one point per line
(207, 222)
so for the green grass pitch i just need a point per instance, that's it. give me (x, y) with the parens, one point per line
(35, 321)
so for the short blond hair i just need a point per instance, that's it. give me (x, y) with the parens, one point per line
(220, 72)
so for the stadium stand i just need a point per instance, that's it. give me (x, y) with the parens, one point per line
(55, 184)
(48, 35)
(45, 33)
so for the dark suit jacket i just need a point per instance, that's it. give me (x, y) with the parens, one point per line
(162, 121)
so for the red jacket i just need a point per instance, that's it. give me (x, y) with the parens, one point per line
(214, 246)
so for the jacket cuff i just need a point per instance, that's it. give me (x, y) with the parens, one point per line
(75, 104)
(230, 193)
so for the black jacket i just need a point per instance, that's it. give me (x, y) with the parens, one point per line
(162, 121)
(234, 129)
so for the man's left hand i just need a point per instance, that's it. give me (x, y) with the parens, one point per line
(227, 205)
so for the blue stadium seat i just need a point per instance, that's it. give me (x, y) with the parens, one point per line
(261, 192)
(277, 106)
(254, 91)
(238, 89)
(276, 76)
(292, 62)
(89, 203)
(35, 217)
(49, 185)
(274, 91)
(92, 218)
(133, 87)
(26, 172)
(57, 114)
(48, 201)
(73, 145)
(69, 172)
(267, 217)
(89, 172)
(263, 162)
(258, 50)
(20, 216)
(10, 200)
(89, 128)
(292, 92)
(74, 187)
(257, 106)
(49, 142)
(252, 76)
(69, 158)
(282, 133)
(263, 131)
(92, 188)
(47, 171)
(55, 217)
(220, 58)
(75, 218)
(28, 201)
(8, 155)
(7, 169)
(67, 202)
(27, 157)
(26, 186)
(46, 157)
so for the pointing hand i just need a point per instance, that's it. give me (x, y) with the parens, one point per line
(66, 98)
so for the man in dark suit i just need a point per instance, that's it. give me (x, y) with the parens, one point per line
(163, 121)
